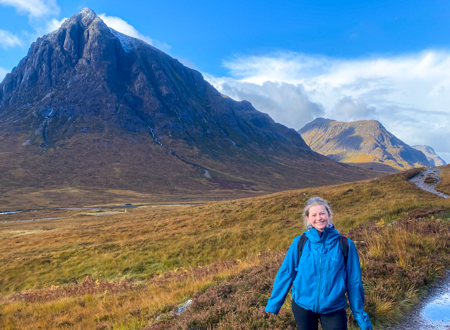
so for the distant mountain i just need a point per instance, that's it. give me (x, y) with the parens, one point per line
(91, 107)
(364, 142)
(434, 159)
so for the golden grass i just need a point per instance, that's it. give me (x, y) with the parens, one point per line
(147, 242)
(133, 307)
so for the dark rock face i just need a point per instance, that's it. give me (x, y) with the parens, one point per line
(87, 87)
(85, 72)
(360, 142)
(431, 155)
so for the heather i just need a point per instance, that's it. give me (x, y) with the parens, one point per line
(398, 261)
(131, 270)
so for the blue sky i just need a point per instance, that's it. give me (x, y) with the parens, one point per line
(296, 60)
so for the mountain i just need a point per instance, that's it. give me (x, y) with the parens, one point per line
(434, 159)
(365, 142)
(91, 109)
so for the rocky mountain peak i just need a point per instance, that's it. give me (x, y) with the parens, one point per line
(85, 17)
(431, 155)
(363, 141)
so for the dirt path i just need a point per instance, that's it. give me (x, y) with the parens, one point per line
(433, 312)
(433, 172)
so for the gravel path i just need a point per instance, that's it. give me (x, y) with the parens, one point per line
(433, 172)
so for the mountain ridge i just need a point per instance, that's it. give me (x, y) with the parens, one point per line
(431, 155)
(364, 141)
(89, 106)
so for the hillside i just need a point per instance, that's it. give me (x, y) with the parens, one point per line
(429, 152)
(361, 142)
(219, 250)
(92, 115)
(444, 180)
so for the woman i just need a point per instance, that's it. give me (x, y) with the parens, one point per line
(321, 277)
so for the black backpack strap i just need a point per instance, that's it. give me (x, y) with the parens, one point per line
(344, 248)
(301, 244)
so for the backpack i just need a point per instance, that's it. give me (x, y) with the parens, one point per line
(343, 243)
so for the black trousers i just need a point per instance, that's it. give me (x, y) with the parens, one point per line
(308, 320)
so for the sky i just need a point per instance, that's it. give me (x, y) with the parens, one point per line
(295, 60)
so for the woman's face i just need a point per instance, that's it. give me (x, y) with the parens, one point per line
(318, 217)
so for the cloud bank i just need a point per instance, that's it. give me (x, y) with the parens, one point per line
(33, 8)
(408, 94)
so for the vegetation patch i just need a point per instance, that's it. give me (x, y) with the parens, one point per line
(398, 261)
(228, 252)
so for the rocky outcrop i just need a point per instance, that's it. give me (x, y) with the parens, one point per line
(429, 152)
(365, 141)
(91, 106)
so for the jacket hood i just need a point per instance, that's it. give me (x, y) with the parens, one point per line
(329, 234)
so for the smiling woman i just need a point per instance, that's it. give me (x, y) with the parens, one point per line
(321, 266)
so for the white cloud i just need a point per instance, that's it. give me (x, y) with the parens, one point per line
(187, 63)
(408, 94)
(33, 8)
(286, 103)
(350, 109)
(53, 25)
(124, 27)
(7, 39)
(3, 73)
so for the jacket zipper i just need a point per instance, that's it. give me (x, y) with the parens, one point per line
(320, 275)
(328, 277)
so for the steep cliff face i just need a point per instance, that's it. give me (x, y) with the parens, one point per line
(360, 142)
(91, 106)
(431, 155)
(87, 77)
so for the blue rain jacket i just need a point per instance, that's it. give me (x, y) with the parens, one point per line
(320, 280)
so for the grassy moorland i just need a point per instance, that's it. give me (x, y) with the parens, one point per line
(444, 183)
(123, 271)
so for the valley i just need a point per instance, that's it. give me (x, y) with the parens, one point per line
(135, 195)
(130, 270)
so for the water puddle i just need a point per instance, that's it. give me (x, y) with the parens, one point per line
(433, 312)
(437, 311)
(10, 212)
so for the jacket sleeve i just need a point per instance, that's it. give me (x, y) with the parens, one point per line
(355, 288)
(285, 277)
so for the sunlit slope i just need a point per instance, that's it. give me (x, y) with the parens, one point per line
(363, 141)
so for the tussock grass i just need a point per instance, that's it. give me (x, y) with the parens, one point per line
(143, 245)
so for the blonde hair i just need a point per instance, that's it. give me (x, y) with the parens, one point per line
(314, 202)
